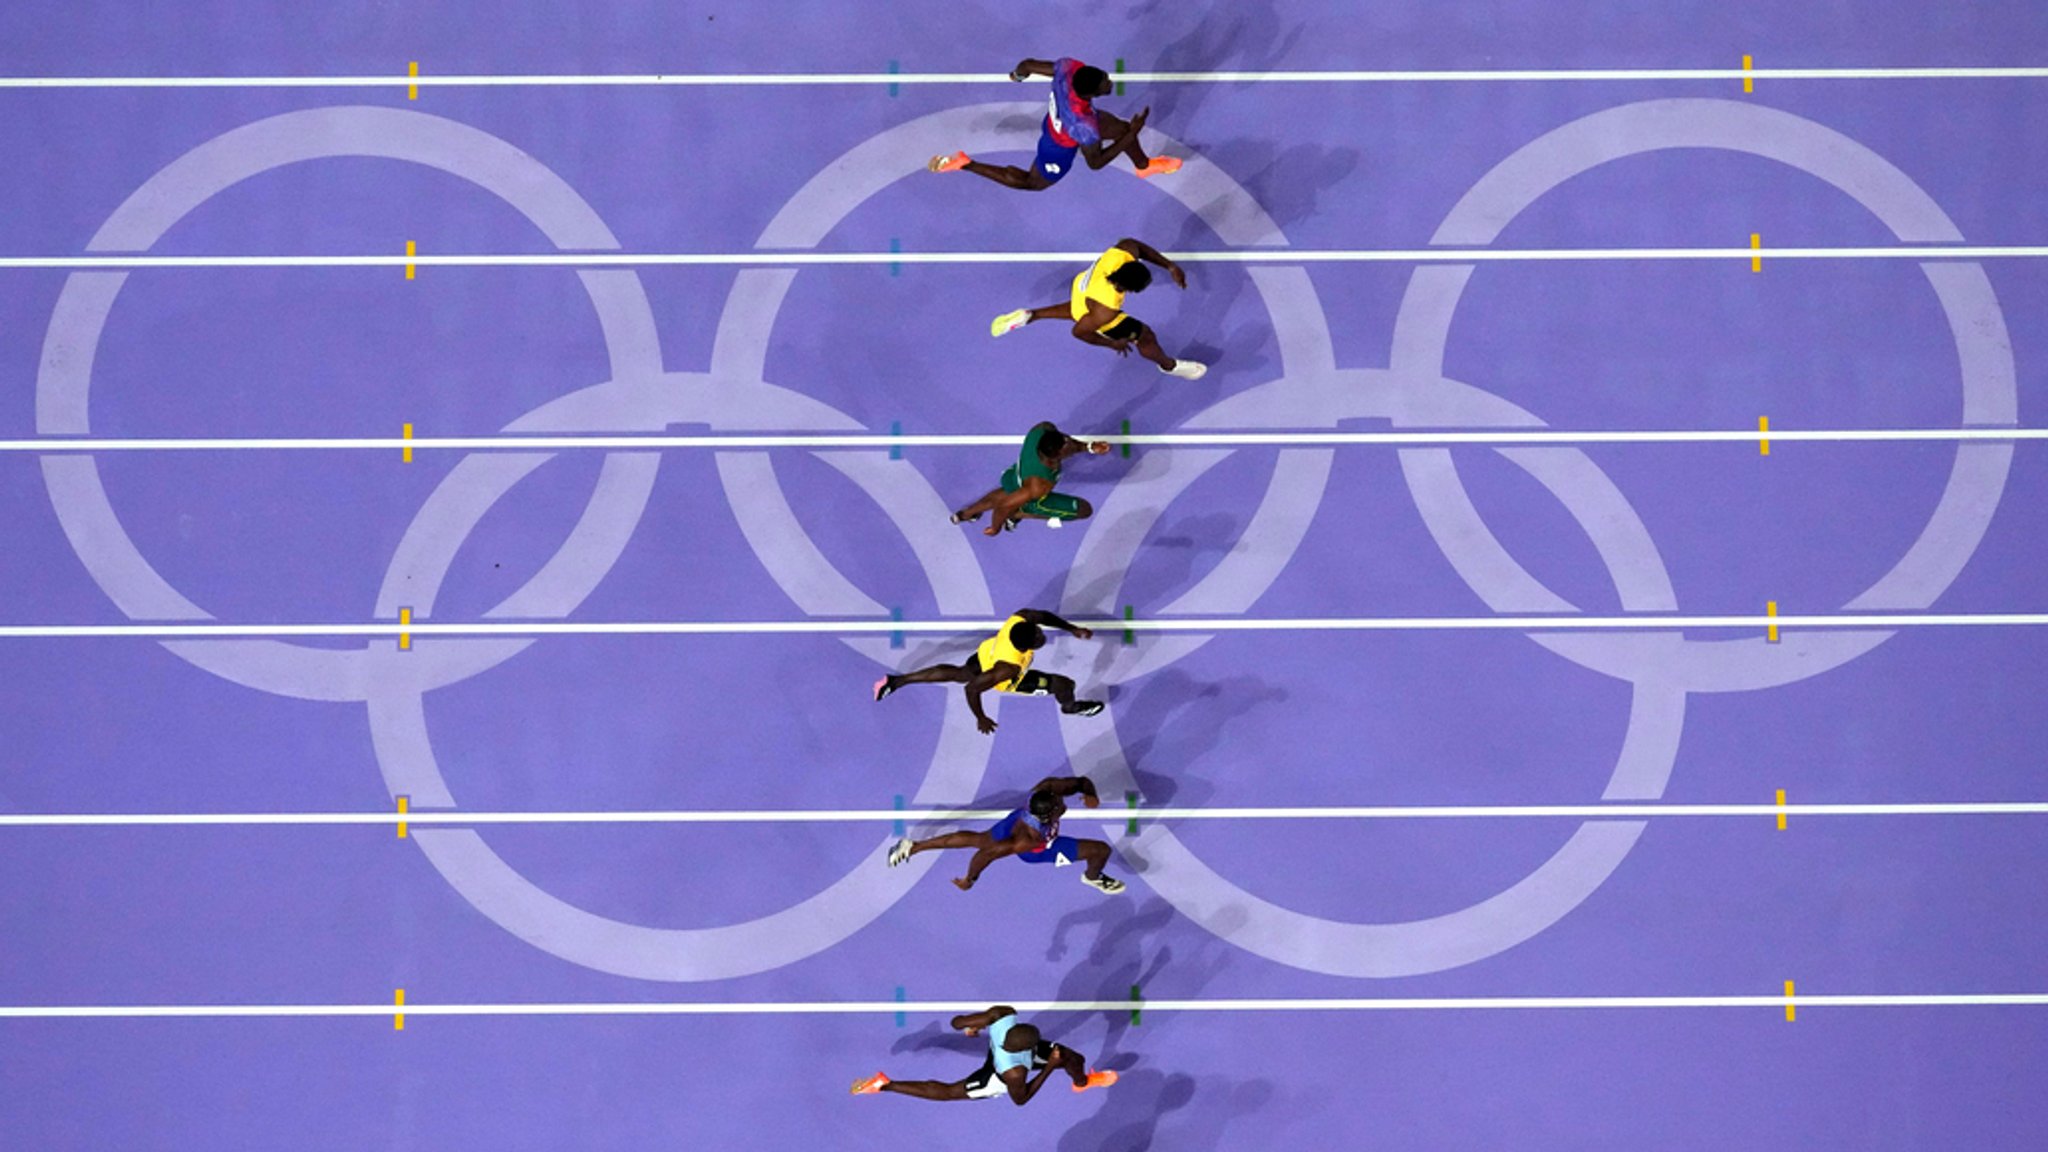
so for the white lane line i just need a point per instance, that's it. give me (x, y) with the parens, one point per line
(1643, 622)
(1332, 438)
(812, 257)
(812, 79)
(947, 1007)
(966, 815)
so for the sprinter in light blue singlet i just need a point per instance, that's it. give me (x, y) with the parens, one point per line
(1019, 1060)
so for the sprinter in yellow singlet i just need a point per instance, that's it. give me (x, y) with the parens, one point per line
(1003, 664)
(1095, 307)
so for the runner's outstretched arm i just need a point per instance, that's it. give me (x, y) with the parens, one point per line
(1021, 1089)
(1075, 446)
(1067, 786)
(1151, 255)
(1044, 619)
(973, 1022)
(1119, 138)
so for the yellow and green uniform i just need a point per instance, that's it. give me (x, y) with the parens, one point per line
(1094, 285)
(997, 649)
(1031, 463)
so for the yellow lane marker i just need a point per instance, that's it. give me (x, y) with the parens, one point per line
(411, 250)
(1756, 244)
(1763, 424)
(1771, 630)
(412, 91)
(407, 434)
(1781, 804)
(1788, 1000)
(405, 805)
(398, 1018)
(405, 638)
(1748, 82)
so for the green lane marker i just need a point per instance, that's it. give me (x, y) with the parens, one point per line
(1119, 72)
(1137, 1002)
(1131, 802)
(1130, 613)
(1125, 447)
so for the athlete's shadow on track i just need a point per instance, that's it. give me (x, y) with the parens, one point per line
(1172, 548)
(1150, 399)
(1126, 951)
(1168, 722)
(1168, 719)
(1198, 1111)
(1244, 36)
(1131, 947)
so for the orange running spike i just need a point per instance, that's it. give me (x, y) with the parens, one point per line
(871, 1085)
(1097, 1080)
(953, 163)
(1160, 166)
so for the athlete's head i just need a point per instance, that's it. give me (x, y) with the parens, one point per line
(1045, 806)
(1051, 442)
(1022, 1038)
(1132, 277)
(1091, 81)
(1027, 636)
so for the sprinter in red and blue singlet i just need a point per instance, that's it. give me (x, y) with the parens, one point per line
(1031, 834)
(1073, 126)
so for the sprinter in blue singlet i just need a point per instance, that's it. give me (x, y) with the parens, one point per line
(1072, 126)
(1031, 834)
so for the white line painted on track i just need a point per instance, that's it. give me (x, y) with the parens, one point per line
(984, 440)
(812, 257)
(1641, 622)
(947, 1007)
(813, 79)
(414, 816)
